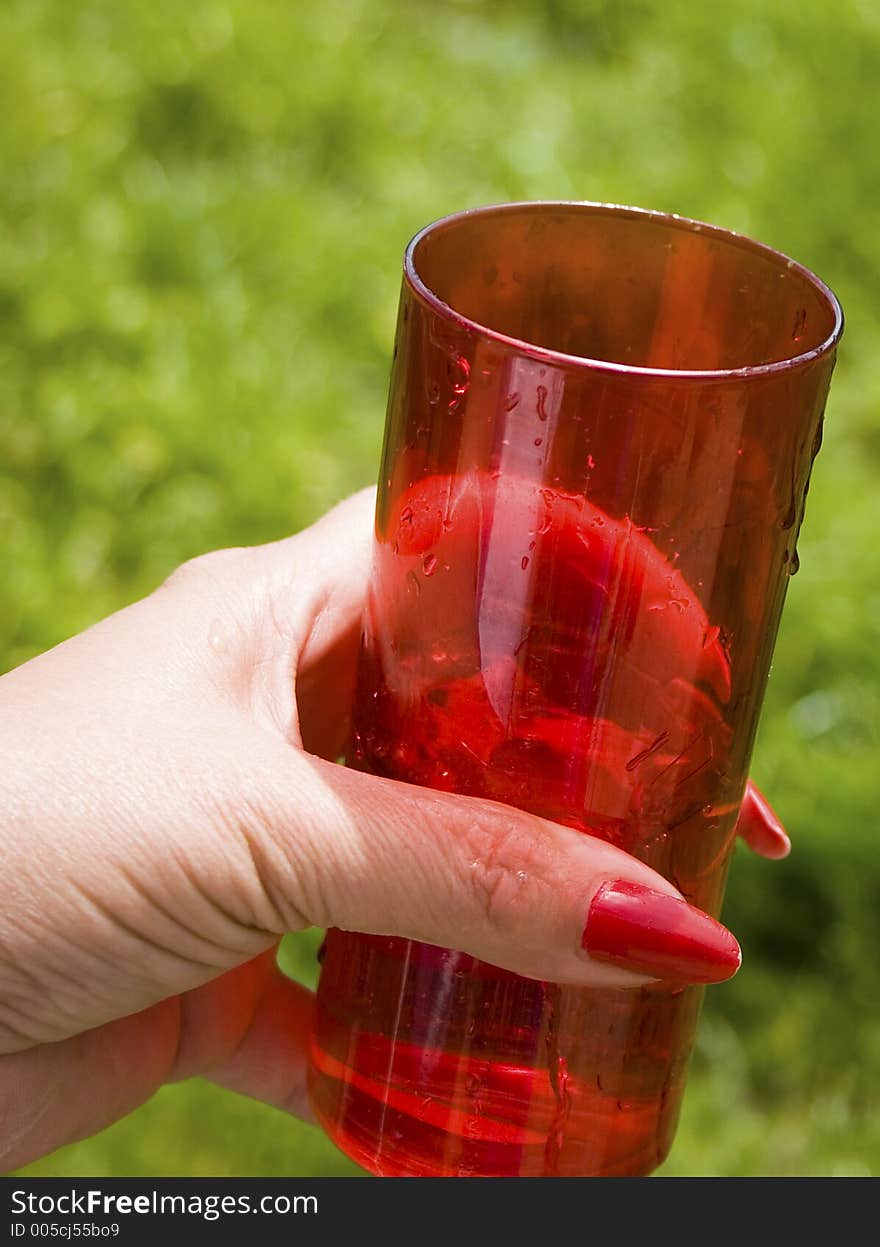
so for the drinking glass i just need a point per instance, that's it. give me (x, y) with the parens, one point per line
(600, 432)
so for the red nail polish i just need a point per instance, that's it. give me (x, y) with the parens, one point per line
(760, 827)
(649, 932)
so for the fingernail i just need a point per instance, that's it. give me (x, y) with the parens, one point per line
(759, 825)
(652, 933)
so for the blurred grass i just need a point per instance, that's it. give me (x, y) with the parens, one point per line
(202, 215)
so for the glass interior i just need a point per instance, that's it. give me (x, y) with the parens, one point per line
(623, 286)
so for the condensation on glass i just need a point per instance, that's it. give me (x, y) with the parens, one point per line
(599, 440)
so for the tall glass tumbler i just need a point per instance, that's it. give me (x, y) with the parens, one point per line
(599, 439)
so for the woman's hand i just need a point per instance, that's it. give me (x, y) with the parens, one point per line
(169, 807)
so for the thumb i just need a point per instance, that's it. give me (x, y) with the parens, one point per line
(369, 854)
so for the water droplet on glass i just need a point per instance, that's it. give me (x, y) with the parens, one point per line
(542, 401)
(790, 515)
(538, 441)
(429, 564)
(591, 462)
(461, 376)
(512, 400)
(817, 437)
(525, 562)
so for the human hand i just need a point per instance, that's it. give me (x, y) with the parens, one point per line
(169, 806)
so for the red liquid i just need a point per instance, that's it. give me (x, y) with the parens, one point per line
(496, 1075)
(456, 1066)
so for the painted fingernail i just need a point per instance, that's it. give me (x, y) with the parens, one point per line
(759, 825)
(652, 933)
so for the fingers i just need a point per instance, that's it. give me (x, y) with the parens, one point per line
(338, 556)
(338, 550)
(389, 829)
(58, 1093)
(370, 854)
(333, 559)
(760, 827)
(270, 1061)
(247, 1030)
(263, 619)
(313, 588)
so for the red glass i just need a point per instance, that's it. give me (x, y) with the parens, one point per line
(600, 433)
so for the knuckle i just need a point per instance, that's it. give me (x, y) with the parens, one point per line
(503, 855)
(205, 570)
(270, 870)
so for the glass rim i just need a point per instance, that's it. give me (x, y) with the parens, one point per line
(670, 219)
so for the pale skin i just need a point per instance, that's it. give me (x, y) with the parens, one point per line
(170, 806)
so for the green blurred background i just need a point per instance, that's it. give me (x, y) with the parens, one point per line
(203, 212)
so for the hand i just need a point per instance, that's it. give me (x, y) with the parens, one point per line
(169, 807)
